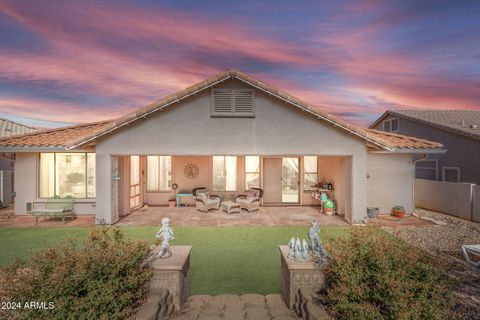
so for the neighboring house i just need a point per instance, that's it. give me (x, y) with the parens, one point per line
(457, 130)
(7, 129)
(228, 132)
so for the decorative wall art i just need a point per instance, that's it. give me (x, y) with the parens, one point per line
(191, 171)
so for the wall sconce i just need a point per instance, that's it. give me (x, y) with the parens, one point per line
(368, 175)
(116, 176)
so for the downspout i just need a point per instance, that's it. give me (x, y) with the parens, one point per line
(414, 162)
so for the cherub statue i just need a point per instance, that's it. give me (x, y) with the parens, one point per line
(166, 235)
(291, 251)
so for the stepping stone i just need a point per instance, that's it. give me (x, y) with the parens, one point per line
(198, 300)
(211, 318)
(257, 313)
(284, 318)
(253, 300)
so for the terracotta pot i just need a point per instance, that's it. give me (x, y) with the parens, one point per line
(399, 213)
(172, 203)
(328, 211)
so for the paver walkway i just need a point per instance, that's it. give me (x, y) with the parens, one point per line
(233, 307)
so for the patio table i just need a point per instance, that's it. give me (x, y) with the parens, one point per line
(180, 196)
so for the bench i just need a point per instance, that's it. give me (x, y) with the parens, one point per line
(54, 208)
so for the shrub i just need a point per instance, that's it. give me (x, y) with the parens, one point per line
(373, 275)
(101, 280)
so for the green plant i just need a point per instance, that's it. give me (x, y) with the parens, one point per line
(101, 280)
(399, 208)
(372, 275)
(75, 177)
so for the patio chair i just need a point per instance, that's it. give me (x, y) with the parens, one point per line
(469, 250)
(206, 202)
(195, 190)
(250, 201)
(54, 208)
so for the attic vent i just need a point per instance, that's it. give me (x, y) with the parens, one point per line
(233, 103)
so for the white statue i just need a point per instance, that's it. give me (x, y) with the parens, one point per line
(291, 251)
(305, 253)
(166, 235)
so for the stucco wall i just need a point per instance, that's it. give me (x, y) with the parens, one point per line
(188, 129)
(390, 181)
(26, 182)
(461, 152)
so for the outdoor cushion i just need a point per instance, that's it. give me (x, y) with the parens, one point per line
(202, 194)
(251, 194)
(212, 201)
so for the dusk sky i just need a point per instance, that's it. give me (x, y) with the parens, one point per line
(64, 62)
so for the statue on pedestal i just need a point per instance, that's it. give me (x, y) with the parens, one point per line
(166, 235)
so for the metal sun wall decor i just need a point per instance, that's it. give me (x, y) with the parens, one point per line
(191, 171)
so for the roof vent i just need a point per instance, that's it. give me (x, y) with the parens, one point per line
(233, 103)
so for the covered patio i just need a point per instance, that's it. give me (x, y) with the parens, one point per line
(265, 216)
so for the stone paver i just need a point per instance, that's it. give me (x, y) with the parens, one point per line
(266, 216)
(233, 307)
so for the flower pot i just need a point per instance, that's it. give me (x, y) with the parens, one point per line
(328, 211)
(398, 213)
(172, 203)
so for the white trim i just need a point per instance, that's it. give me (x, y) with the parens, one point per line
(451, 168)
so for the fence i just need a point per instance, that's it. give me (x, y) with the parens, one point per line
(457, 199)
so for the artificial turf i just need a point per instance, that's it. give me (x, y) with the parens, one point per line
(234, 260)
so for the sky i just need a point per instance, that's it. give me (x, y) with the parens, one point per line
(68, 62)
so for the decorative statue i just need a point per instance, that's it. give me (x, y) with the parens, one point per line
(166, 235)
(317, 246)
(298, 250)
(291, 251)
(305, 253)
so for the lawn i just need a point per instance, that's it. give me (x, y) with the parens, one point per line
(224, 259)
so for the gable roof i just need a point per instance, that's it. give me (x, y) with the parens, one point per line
(75, 137)
(10, 128)
(463, 122)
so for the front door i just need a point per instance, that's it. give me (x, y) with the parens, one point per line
(281, 180)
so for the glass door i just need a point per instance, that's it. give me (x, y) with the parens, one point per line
(134, 182)
(290, 180)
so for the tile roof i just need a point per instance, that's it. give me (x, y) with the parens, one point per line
(9, 128)
(464, 122)
(74, 137)
(52, 138)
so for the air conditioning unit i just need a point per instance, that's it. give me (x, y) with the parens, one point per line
(29, 206)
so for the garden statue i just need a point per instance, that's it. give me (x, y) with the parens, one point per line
(166, 235)
(305, 253)
(317, 246)
(291, 251)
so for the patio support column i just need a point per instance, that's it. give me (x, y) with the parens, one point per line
(106, 211)
(359, 188)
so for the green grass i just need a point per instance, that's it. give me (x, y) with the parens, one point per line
(224, 259)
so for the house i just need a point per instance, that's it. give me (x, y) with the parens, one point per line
(228, 132)
(457, 130)
(7, 129)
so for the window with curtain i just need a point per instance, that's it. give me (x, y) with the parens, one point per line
(224, 171)
(159, 173)
(310, 172)
(67, 175)
(252, 172)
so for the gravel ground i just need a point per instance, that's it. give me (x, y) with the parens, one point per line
(445, 239)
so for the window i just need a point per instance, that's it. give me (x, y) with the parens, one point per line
(451, 174)
(159, 173)
(224, 171)
(310, 172)
(252, 172)
(391, 125)
(233, 103)
(427, 169)
(67, 175)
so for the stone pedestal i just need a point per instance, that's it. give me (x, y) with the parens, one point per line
(173, 274)
(299, 277)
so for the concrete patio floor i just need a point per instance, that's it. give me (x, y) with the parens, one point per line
(266, 216)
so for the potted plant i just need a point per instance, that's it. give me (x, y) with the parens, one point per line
(329, 208)
(398, 211)
(172, 203)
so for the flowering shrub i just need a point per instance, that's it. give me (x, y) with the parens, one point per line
(101, 280)
(373, 275)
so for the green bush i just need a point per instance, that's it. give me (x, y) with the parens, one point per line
(373, 275)
(101, 280)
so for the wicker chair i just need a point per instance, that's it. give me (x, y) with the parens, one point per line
(204, 201)
(250, 201)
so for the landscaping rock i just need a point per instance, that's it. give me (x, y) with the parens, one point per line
(253, 300)
(148, 311)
